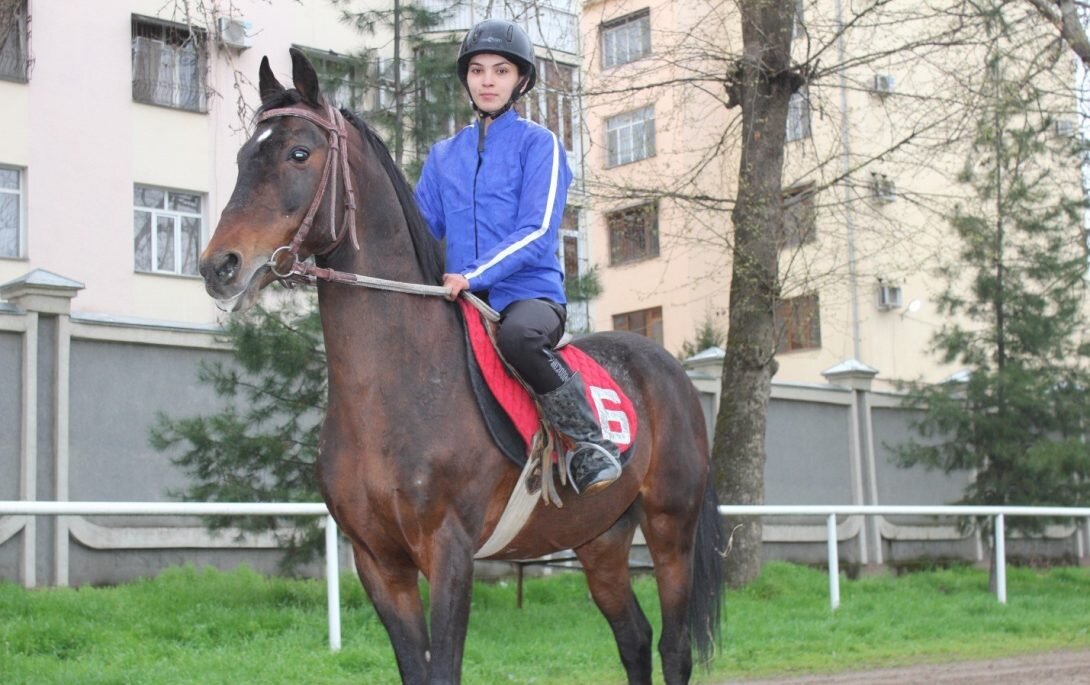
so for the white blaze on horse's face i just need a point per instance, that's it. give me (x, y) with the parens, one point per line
(263, 135)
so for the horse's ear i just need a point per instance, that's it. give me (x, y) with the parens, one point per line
(268, 86)
(305, 77)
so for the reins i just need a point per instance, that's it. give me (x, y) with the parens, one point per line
(300, 271)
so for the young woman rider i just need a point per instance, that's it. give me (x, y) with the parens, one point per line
(495, 191)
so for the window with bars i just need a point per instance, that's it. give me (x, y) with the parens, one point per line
(167, 229)
(630, 137)
(646, 322)
(633, 233)
(798, 115)
(552, 102)
(798, 324)
(168, 64)
(12, 212)
(626, 39)
(799, 221)
(13, 40)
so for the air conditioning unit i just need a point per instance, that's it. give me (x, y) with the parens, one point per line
(235, 33)
(1064, 127)
(889, 296)
(884, 84)
(883, 188)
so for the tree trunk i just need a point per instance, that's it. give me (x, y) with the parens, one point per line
(762, 85)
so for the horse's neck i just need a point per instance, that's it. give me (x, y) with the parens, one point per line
(369, 333)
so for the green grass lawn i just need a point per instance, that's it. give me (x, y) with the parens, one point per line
(190, 626)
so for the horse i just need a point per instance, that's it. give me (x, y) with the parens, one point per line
(406, 465)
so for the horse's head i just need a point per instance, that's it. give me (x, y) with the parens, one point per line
(283, 173)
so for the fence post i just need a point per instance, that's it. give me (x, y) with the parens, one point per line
(834, 562)
(1000, 560)
(333, 583)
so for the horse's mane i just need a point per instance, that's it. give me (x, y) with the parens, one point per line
(429, 253)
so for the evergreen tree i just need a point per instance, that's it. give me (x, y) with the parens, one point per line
(1017, 305)
(263, 445)
(708, 334)
(420, 97)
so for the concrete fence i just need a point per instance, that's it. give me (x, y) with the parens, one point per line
(78, 394)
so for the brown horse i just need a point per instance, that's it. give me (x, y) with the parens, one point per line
(406, 464)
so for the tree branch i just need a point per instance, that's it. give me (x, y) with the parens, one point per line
(1063, 14)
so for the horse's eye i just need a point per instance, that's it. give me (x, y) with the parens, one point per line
(300, 154)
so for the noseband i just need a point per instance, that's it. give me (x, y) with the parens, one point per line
(337, 138)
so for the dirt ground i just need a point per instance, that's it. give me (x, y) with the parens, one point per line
(1053, 668)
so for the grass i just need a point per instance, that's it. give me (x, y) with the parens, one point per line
(205, 626)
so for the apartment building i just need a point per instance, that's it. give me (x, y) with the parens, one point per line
(121, 120)
(871, 162)
(120, 124)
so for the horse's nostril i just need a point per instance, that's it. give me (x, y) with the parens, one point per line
(227, 266)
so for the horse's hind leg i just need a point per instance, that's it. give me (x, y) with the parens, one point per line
(605, 563)
(394, 591)
(669, 540)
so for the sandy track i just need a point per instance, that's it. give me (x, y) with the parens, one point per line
(1052, 668)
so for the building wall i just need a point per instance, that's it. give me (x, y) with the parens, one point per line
(84, 142)
(909, 135)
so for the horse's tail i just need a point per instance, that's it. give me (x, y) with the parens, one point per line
(706, 604)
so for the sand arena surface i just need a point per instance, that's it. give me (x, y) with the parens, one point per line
(1051, 668)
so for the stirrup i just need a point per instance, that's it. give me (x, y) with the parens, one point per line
(596, 486)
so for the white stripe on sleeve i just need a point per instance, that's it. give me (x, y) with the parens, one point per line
(534, 235)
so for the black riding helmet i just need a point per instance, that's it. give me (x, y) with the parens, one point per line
(500, 37)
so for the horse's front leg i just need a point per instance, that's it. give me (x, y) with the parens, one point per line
(450, 577)
(395, 592)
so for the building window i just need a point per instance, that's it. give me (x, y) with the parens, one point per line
(569, 243)
(630, 136)
(798, 324)
(645, 322)
(13, 40)
(341, 77)
(11, 212)
(552, 102)
(799, 225)
(633, 233)
(167, 228)
(798, 115)
(626, 39)
(168, 64)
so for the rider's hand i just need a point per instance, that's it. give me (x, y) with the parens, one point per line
(457, 283)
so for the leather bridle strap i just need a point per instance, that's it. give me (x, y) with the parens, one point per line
(337, 136)
(308, 273)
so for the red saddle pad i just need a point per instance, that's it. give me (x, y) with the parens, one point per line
(615, 412)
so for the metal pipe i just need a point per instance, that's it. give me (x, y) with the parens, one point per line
(834, 563)
(1000, 560)
(333, 584)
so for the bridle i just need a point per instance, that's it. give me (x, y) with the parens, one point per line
(300, 271)
(337, 138)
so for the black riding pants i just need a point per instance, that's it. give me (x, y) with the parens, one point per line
(528, 332)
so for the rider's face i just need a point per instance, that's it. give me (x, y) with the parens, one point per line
(491, 80)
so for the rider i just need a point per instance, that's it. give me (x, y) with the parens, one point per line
(496, 191)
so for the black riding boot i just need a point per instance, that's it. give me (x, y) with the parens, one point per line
(593, 463)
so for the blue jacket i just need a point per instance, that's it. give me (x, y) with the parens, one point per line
(500, 211)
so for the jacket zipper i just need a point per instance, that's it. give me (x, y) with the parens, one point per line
(476, 173)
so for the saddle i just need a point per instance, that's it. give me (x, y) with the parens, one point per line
(510, 411)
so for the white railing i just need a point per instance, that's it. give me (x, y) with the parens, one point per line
(830, 512)
(332, 572)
